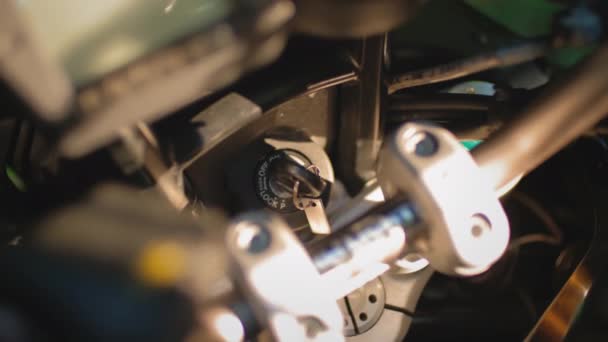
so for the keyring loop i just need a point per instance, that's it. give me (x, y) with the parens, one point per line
(286, 170)
(296, 188)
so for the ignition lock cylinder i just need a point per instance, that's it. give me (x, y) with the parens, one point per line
(285, 172)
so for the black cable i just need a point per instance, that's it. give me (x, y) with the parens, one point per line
(441, 108)
(440, 102)
(398, 309)
(502, 57)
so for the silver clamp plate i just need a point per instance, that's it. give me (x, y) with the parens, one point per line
(466, 227)
(280, 280)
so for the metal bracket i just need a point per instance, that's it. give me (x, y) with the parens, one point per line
(281, 282)
(466, 227)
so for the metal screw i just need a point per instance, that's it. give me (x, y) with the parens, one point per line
(480, 225)
(422, 144)
(253, 238)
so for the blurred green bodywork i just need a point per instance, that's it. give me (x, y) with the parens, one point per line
(530, 19)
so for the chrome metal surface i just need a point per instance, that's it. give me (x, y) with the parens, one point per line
(370, 197)
(354, 256)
